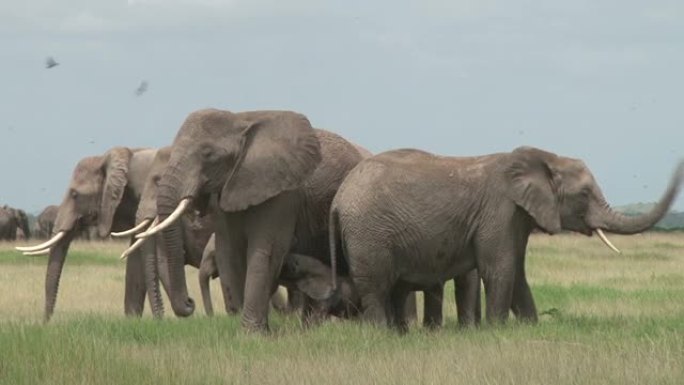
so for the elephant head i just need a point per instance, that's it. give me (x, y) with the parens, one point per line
(93, 197)
(561, 193)
(245, 158)
(22, 222)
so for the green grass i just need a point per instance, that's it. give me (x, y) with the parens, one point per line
(607, 319)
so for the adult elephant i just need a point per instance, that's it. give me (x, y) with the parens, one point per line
(259, 164)
(410, 220)
(196, 230)
(308, 257)
(104, 191)
(46, 221)
(12, 222)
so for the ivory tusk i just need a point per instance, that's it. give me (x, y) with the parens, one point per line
(39, 252)
(180, 209)
(134, 230)
(45, 245)
(136, 245)
(605, 240)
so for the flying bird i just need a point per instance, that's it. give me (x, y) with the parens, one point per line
(141, 88)
(50, 62)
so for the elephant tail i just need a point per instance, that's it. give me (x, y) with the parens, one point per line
(334, 236)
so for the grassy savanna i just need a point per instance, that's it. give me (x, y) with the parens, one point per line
(608, 319)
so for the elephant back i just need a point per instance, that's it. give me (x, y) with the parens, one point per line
(339, 157)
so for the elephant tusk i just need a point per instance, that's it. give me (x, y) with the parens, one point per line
(44, 245)
(180, 209)
(39, 252)
(136, 245)
(605, 240)
(132, 231)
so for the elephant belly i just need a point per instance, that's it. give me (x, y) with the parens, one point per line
(431, 261)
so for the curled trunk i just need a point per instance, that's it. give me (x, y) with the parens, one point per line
(618, 223)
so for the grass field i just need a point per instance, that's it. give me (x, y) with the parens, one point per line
(610, 319)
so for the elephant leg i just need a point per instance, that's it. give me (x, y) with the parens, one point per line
(135, 288)
(270, 228)
(523, 304)
(295, 299)
(397, 308)
(207, 270)
(468, 305)
(411, 308)
(229, 257)
(432, 307)
(375, 308)
(499, 280)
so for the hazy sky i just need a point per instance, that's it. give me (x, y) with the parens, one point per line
(598, 80)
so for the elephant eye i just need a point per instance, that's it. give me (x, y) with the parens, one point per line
(74, 194)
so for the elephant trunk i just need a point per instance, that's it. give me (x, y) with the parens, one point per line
(149, 254)
(54, 272)
(168, 199)
(618, 223)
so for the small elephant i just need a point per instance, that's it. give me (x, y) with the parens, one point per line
(104, 192)
(409, 220)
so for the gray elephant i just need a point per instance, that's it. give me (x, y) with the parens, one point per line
(208, 271)
(196, 230)
(46, 221)
(104, 191)
(408, 220)
(263, 167)
(12, 222)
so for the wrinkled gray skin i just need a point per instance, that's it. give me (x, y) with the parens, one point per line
(208, 271)
(104, 191)
(13, 222)
(409, 220)
(258, 163)
(338, 159)
(196, 230)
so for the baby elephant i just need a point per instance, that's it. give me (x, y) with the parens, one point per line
(409, 220)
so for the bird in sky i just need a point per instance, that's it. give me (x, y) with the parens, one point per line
(50, 62)
(141, 88)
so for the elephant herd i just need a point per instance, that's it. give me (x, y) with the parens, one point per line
(261, 199)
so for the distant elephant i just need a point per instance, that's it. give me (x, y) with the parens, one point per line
(46, 221)
(409, 220)
(104, 191)
(196, 230)
(262, 166)
(11, 221)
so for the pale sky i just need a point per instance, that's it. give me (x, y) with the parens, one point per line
(598, 80)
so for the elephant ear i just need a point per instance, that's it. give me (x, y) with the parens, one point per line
(277, 154)
(115, 169)
(532, 182)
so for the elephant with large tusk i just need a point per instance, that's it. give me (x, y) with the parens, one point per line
(274, 177)
(409, 220)
(196, 228)
(104, 191)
